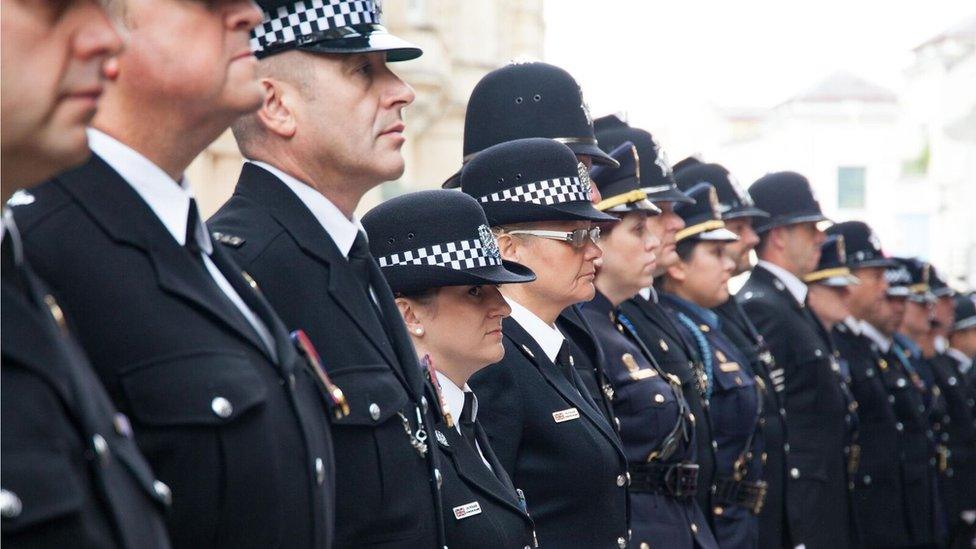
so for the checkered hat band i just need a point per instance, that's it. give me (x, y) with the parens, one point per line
(547, 193)
(287, 24)
(460, 256)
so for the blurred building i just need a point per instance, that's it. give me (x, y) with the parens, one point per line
(461, 41)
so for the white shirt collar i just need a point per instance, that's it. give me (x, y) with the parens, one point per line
(454, 399)
(964, 361)
(649, 293)
(342, 229)
(853, 324)
(796, 286)
(883, 342)
(548, 337)
(941, 344)
(168, 199)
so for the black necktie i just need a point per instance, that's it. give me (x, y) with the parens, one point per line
(564, 359)
(360, 259)
(466, 421)
(192, 244)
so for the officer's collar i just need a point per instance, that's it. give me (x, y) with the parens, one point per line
(700, 313)
(882, 341)
(965, 363)
(797, 288)
(548, 337)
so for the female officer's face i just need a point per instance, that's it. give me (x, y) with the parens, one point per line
(703, 277)
(629, 256)
(461, 328)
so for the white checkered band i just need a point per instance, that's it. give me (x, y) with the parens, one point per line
(288, 24)
(460, 256)
(547, 193)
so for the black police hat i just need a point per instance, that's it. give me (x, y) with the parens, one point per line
(863, 245)
(788, 199)
(908, 278)
(832, 268)
(965, 309)
(734, 202)
(534, 179)
(523, 100)
(939, 286)
(656, 176)
(686, 162)
(430, 239)
(327, 26)
(702, 219)
(621, 187)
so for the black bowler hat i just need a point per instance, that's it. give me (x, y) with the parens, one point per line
(788, 199)
(429, 239)
(534, 179)
(908, 278)
(832, 268)
(326, 26)
(938, 285)
(734, 202)
(656, 177)
(523, 100)
(863, 245)
(702, 219)
(965, 308)
(621, 187)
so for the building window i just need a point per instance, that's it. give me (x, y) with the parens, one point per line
(851, 187)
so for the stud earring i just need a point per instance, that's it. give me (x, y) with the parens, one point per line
(418, 331)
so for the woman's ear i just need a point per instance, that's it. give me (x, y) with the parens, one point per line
(408, 311)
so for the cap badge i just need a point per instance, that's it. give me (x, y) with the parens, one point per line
(875, 242)
(841, 250)
(488, 243)
(661, 159)
(584, 177)
(713, 202)
(633, 151)
(740, 191)
(586, 109)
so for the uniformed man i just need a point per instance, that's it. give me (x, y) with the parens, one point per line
(690, 289)
(962, 336)
(739, 212)
(534, 99)
(819, 418)
(829, 285)
(330, 129)
(962, 349)
(880, 504)
(72, 475)
(656, 326)
(908, 393)
(231, 419)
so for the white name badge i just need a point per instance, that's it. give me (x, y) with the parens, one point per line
(565, 415)
(467, 510)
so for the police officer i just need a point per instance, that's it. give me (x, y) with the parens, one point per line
(657, 326)
(880, 504)
(443, 264)
(828, 286)
(907, 394)
(962, 337)
(548, 433)
(330, 129)
(72, 474)
(222, 407)
(819, 418)
(657, 428)
(535, 99)
(690, 288)
(739, 213)
(962, 348)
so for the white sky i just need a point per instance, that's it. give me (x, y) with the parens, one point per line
(661, 61)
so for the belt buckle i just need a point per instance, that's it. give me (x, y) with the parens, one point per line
(683, 479)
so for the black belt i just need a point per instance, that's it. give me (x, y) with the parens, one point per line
(678, 480)
(744, 493)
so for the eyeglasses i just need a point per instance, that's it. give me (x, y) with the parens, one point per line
(577, 239)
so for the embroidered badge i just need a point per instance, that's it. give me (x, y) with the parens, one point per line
(488, 243)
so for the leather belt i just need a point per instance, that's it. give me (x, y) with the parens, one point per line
(744, 493)
(677, 480)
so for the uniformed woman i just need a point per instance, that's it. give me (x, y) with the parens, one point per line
(443, 265)
(656, 424)
(697, 283)
(543, 425)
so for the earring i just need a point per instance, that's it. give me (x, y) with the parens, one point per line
(418, 331)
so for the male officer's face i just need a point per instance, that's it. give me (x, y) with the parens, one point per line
(739, 250)
(352, 119)
(965, 341)
(802, 246)
(916, 320)
(830, 303)
(193, 56)
(52, 58)
(870, 294)
(896, 310)
(666, 226)
(629, 255)
(944, 314)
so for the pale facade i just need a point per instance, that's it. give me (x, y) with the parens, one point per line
(461, 41)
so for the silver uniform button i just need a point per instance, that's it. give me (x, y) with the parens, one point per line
(891, 399)
(899, 426)
(818, 353)
(101, 447)
(621, 480)
(423, 403)
(439, 478)
(867, 479)
(222, 407)
(795, 473)
(319, 471)
(901, 382)
(621, 543)
(374, 411)
(10, 504)
(163, 492)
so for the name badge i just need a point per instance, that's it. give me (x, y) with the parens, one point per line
(467, 510)
(565, 415)
(729, 366)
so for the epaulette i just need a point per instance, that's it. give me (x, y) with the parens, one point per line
(228, 239)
